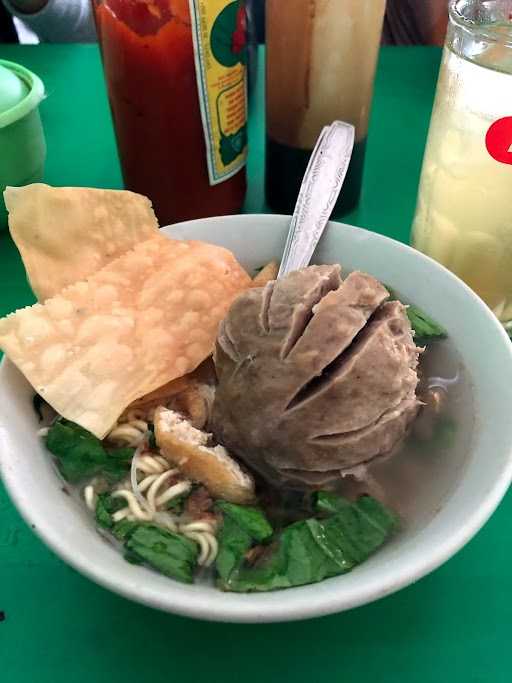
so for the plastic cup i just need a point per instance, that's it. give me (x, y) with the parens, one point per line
(22, 143)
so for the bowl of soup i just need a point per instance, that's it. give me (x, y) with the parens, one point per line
(271, 543)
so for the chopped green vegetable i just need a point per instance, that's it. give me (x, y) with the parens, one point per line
(241, 527)
(234, 542)
(308, 551)
(424, 327)
(171, 554)
(334, 543)
(124, 529)
(297, 559)
(355, 532)
(106, 506)
(117, 463)
(132, 557)
(250, 519)
(177, 504)
(80, 454)
(324, 501)
(377, 515)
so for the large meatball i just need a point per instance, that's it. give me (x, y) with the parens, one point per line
(316, 376)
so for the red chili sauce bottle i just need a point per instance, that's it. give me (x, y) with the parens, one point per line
(176, 78)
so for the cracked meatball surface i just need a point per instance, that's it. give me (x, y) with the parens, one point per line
(316, 376)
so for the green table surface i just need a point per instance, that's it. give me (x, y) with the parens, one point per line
(57, 626)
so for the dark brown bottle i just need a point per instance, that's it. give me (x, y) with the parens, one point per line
(321, 62)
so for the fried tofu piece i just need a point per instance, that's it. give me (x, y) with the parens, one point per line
(192, 395)
(195, 402)
(266, 274)
(187, 447)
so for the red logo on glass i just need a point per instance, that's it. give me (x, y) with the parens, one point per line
(499, 140)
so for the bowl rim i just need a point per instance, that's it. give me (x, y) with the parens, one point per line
(249, 610)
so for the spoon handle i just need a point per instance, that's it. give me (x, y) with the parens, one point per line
(319, 191)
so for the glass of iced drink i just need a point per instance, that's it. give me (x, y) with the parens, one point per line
(464, 211)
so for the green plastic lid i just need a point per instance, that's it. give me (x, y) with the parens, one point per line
(20, 92)
(12, 89)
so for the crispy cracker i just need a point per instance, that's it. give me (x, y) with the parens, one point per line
(143, 320)
(65, 234)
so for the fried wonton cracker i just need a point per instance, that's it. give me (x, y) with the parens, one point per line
(143, 320)
(65, 234)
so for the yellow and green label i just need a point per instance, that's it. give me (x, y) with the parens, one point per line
(219, 32)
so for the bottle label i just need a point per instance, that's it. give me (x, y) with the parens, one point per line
(219, 34)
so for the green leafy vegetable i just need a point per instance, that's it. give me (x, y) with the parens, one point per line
(354, 533)
(307, 551)
(424, 327)
(334, 543)
(80, 454)
(296, 559)
(171, 554)
(177, 504)
(234, 542)
(132, 557)
(124, 529)
(118, 463)
(250, 519)
(324, 501)
(241, 527)
(377, 515)
(106, 506)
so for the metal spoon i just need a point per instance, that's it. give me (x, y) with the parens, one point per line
(319, 191)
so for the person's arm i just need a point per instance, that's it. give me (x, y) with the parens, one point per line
(415, 22)
(58, 21)
(436, 21)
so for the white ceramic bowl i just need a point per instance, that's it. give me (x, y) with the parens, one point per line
(456, 500)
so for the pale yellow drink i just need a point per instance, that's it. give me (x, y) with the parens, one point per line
(464, 211)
